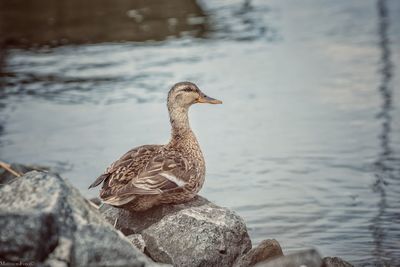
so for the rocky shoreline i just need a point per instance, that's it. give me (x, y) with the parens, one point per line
(45, 221)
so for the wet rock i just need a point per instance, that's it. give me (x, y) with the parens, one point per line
(44, 220)
(309, 258)
(196, 233)
(266, 250)
(335, 262)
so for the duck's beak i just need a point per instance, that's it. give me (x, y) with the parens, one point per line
(206, 99)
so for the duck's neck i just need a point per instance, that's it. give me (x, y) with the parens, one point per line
(179, 119)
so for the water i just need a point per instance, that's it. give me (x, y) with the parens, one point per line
(306, 146)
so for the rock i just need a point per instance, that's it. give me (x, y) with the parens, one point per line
(26, 236)
(61, 254)
(138, 241)
(6, 177)
(266, 250)
(196, 233)
(90, 251)
(46, 221)
(335, 262)
(135, 222)
(309, 258)
(96, 201)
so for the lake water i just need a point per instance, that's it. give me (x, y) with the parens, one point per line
(306, 146)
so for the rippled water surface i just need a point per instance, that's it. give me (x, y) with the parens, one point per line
(306, 146)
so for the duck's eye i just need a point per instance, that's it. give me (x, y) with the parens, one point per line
(188, 90)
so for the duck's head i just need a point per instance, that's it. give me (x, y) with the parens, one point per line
(185, 94)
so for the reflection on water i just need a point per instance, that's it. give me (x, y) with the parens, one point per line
(39, 22)
(240, 21)
(294, 147)
(387, 168)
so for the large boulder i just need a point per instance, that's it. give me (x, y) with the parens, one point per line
(45, 221)
(196, 233)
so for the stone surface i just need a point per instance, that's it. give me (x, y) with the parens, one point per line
(309, 258)
(45, 221)
(23, 234)
(335, 262)
(61, 255)
(96, 201)
(266, 250)
(138, 241)
(196, 233)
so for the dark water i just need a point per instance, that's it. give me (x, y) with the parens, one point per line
(306, 146)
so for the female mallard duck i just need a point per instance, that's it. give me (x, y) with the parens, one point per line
(150, 175)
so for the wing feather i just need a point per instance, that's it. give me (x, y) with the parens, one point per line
(144, 170)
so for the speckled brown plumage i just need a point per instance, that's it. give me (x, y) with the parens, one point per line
(150, 175)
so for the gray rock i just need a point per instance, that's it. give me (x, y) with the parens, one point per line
(196, 233)
(138, 241)
(61, 255)
(46, 221)
(309, 258)
(135, 222)
(335, 262)
(266, 250)
(26, 236)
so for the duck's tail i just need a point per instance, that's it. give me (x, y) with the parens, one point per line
(118, 201)
(99, 180)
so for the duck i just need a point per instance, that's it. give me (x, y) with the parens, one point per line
(153, 175)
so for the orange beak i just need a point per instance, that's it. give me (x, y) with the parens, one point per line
(206, 99)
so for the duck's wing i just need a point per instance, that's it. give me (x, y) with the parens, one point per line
(162, 173)
(128, 166)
